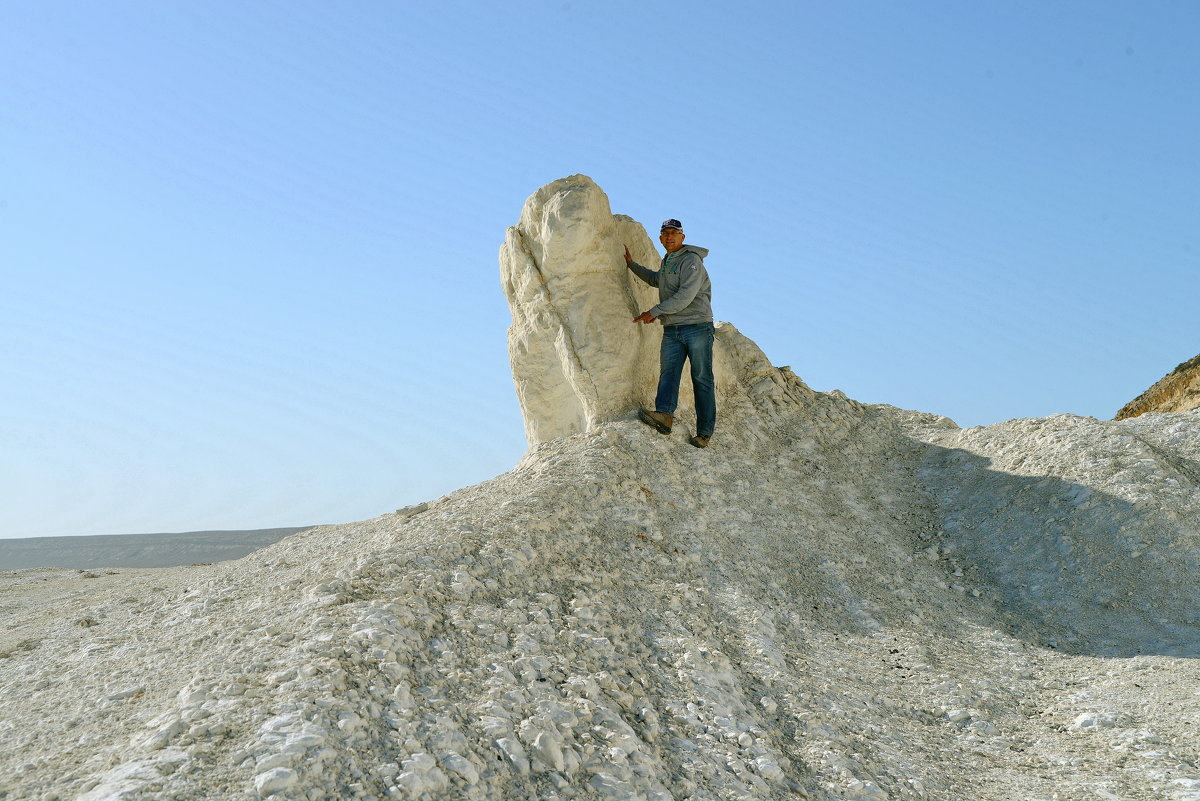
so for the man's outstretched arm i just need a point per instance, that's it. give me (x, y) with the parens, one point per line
(647, 275)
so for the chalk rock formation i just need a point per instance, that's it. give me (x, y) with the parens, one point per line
(1178, 391)
(834, 602)
(577, 358)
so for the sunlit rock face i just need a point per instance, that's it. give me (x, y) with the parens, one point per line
(577, 357)
(1178, 391)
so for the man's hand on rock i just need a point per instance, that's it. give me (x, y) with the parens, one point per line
(644, 317)
(628, 258)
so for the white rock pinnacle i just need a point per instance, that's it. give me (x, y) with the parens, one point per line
(577, 358)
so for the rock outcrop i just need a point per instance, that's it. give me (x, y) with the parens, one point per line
(577, 358)
(1177, 391)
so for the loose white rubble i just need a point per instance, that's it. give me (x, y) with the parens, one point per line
(833, 601)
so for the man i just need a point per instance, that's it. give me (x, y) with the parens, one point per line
(685, 309)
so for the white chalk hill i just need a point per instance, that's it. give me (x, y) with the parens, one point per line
(834, 601)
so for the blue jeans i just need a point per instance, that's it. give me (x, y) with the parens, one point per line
(695, 343)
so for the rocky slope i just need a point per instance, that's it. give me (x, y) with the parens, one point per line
(1177, 391)
(834, 601)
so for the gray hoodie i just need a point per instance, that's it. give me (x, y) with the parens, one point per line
(684, 291)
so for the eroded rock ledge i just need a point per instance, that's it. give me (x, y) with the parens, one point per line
(1178, 391)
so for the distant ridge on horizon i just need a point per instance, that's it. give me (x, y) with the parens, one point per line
(137, 550)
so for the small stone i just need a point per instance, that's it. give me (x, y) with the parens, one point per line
(274, 781)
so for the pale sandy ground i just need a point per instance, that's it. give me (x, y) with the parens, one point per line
(842, 602)
(36, 600)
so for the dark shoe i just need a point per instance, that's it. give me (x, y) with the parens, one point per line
(657, 420)
(699, 442)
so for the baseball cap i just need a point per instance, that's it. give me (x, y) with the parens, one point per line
(670, 224)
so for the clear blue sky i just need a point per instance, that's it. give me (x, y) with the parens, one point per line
(249, 249)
